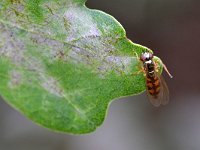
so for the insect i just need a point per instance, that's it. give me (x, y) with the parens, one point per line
(156, 86)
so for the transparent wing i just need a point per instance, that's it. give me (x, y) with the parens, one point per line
(163, 96)
(164, 91)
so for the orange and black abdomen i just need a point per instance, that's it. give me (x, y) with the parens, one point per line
(153, 85)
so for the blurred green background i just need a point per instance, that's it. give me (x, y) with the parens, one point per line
(172, 29)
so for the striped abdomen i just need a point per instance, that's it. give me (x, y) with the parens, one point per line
(153, 85)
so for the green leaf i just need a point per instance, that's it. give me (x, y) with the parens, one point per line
(61, 64)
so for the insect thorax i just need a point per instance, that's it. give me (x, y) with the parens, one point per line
(150, 68)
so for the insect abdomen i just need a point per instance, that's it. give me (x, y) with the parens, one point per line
(153, 86)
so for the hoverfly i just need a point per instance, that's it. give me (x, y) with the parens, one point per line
(156, 86)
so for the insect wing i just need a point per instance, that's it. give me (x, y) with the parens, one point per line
(164, 91)
(163, 96)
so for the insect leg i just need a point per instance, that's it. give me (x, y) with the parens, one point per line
(167, 71)
(139, 72)
(157, 67)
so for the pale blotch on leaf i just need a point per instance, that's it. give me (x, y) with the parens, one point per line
(76, 17)
(15, 79)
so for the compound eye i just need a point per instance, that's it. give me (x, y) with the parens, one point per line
(146, 56)
(142, 57)
(150, 55)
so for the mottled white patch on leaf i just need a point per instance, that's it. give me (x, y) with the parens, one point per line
(76, 17)
(52, 86)
(46, 81)
(117, 64)
(15, 79)
(11, 46)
